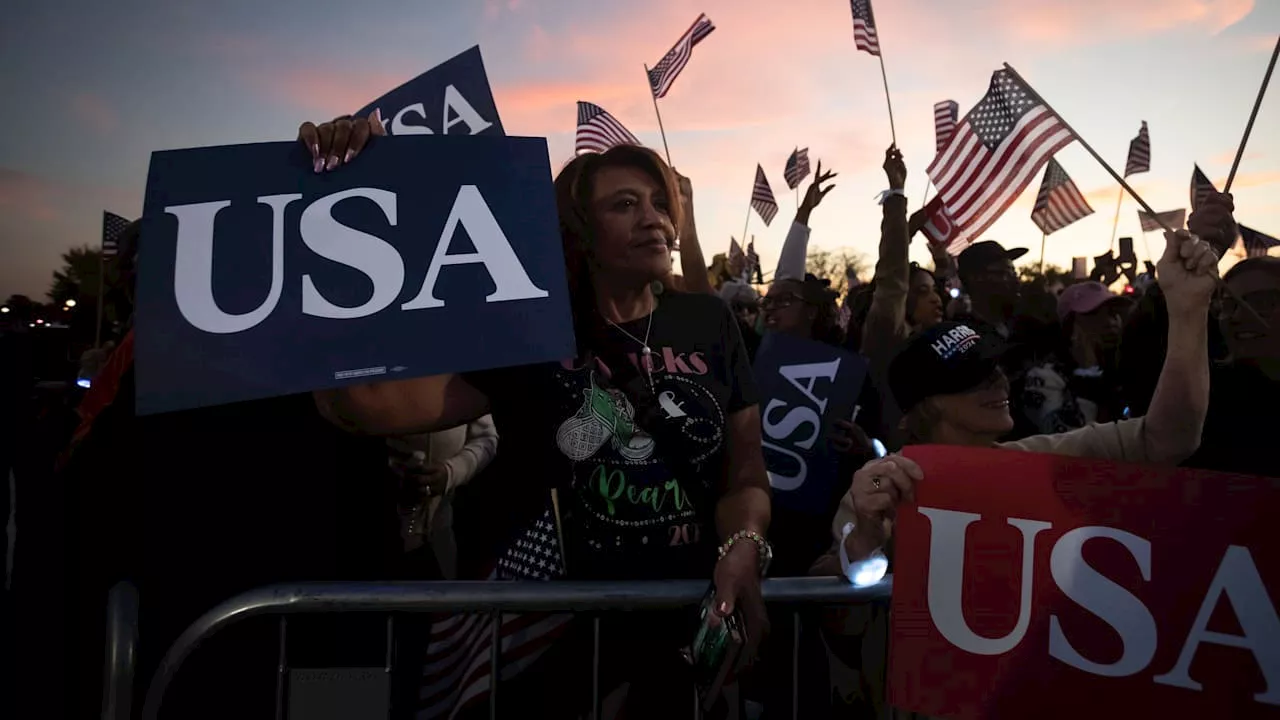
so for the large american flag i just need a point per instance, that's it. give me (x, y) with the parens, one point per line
(1151, 223)
(864, 27)
(598, 130)
(944, 121)
(1257, 244)
(457, 669)
(762, 198)
(662, 75)
(1139, 153)
(112, 227)
(797, 167)
(1201, 188)
(1059, 202)
(995, 152)
(940, 230)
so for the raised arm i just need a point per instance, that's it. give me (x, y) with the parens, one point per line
(791, 261)
(692, 264)
(887, 318)
(403, 407)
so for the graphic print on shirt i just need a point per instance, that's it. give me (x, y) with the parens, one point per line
(620, 479)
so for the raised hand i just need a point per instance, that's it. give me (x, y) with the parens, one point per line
(814, 195)
(875, 492)
(894, 168)
(1188, 273)
(339, 141)
(1212, 222)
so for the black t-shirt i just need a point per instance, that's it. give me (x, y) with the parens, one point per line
(636, 456)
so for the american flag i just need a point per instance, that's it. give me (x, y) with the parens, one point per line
(457, 665)
(112, 226)
(864, 27)
(1201, 188)
(1257, 244)
(797, 167)
(753, 261)
(940, 230)
(664, 73)
(1151, 223)
(944, 121)
(1139, 153)
(598, 130)
(762, 197)
(995, 152)
(1059, 202)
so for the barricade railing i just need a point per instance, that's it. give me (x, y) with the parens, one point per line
(479, 597)
(121, 656)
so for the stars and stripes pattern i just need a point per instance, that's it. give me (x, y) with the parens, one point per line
(1201, 188)
(1059, 202)
(864, 27)
(112, 227)
(457, 668)
(753, 262)
(1139, 153)
(1257, 244)
(762, 198)
(1151, 223)
(797, 168)
(995, 152)
(663, 75)
(598, 130)
(940, 230)
(945, 114)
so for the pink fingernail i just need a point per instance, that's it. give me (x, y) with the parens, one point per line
(350, 154)
(315, 151)
(319, 164)
(723, 608)
(333, 162)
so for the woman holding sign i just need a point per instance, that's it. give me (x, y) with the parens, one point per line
(952, 392)
(643, 454)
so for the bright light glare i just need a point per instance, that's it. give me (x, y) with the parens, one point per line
(70, 303)
(83, 382)
(4, 309)
(871, 571)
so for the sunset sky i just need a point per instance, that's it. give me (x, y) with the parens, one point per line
(91, 89)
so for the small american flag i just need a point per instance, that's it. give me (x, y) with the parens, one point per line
(1059, 202)
(663, 75)
(1139, 153)
(940, 230)
(457, 668)
(1257, 244)
(864, 27)
(995, 152)
(112, 226)
(797, 167)
(598, 130)
(1201, 188)
(762, 198)
(1151, 223)
(753, 261)
(944, 121)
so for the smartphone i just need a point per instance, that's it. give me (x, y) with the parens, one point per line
(716, 648)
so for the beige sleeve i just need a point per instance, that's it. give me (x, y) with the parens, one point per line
(476, 454)
(1122, 440)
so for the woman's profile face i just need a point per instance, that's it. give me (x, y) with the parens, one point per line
(631, 220)
(983, 410)
(1246, 338)
(924, 305)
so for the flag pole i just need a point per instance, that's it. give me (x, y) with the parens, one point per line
(925, 201)
(1115, 223)
(102, 277)
(885, 77)
(1043, 236)
(747, 222)
(1266, 80)
(661, 130)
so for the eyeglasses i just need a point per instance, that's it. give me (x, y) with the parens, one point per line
(779, 302)
(746, 307)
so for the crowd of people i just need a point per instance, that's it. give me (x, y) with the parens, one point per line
(639, 459)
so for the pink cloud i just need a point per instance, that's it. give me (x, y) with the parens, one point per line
(1088, 21)
(94, 112)
(28, 197)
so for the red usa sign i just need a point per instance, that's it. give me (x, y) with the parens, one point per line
(1051, 587)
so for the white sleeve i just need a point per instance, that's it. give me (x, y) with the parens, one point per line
(794, 249)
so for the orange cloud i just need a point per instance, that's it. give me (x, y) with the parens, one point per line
(28, 196)
(1255, 179)
(1085, 22)
(94, 112)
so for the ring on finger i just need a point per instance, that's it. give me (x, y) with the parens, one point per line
(875, 482)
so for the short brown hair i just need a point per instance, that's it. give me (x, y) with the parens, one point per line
(574, 188)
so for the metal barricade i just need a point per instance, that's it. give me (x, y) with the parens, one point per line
(121, 655)
(492, 597)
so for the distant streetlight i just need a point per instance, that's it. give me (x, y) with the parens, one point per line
(39, 321)
(70, 303)
(4, 309)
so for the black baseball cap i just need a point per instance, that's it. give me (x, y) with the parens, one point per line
(948, 358)
(982, 254)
